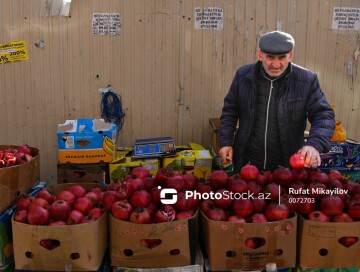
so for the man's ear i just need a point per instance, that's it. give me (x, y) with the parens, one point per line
(291, 54)
(260, 55)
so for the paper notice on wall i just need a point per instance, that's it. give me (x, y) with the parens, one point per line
(13, 51)
(106, 24)
(209, 18)
(346, 18)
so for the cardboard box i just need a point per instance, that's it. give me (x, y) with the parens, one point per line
(197, 267)
(6, 241)
(121, 167)
(82, 247)
(298, 269)
(18, 179)
(343, 156)
(225, 249)
(269, 268)
(179, 237)
(86, 141)
(197, 162)
(104, 267)
(318, 245)
(83, 173)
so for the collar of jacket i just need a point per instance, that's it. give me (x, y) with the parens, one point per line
(256, 70)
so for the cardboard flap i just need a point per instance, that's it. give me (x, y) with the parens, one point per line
(196, 146)
(84, 125)
(120, 154)
(68, 126)
(100, 124)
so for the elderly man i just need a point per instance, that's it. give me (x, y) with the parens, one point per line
(272, 100)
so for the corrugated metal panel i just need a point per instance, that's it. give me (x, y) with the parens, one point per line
(172, 77)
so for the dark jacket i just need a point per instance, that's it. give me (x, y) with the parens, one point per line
(301, 99)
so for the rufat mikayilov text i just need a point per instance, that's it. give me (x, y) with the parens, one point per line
(226, 195)
(308, 191)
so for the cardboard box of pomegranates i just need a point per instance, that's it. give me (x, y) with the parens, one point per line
(328, 244)
(249, 246)
(83, 173)
(156, 245)
(59, 247)
(299, 269)
(198, 266)
(123, 164)
(17, 175)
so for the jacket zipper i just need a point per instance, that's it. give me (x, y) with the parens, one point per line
(267, 120)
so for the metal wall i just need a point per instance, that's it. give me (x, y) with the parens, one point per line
(171, 76)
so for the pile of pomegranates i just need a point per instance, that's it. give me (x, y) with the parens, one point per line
(15, 156)
(75, 205)
(252, 196)
(142, 198)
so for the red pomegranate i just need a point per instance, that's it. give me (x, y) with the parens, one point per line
(218, 179)
(275, 211)
(249, 172)
(331, 205)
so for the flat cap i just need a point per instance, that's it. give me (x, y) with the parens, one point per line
(276, 43)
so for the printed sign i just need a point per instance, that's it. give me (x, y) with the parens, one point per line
(106, 24)
(13, 51)
(209, 18)
(346, 18)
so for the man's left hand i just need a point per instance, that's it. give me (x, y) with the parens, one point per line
(311, 156)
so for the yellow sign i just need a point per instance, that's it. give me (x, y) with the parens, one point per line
(13, 51)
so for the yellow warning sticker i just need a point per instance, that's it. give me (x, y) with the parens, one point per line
(13, 51)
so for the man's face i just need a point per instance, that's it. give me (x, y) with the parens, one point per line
(275, 65)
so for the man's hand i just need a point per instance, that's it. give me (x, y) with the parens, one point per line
(311, 156)
(226, 154)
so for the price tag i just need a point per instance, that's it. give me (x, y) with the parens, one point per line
(13, 51)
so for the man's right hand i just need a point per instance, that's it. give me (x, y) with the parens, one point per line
(226, 154)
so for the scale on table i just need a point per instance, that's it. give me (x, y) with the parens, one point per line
(154, 148)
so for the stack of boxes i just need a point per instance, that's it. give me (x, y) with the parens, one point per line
(289, 245)
(81, 148)
(87, 153)
(85, 147)
(193, 159)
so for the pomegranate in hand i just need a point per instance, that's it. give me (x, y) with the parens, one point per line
(296, 161)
